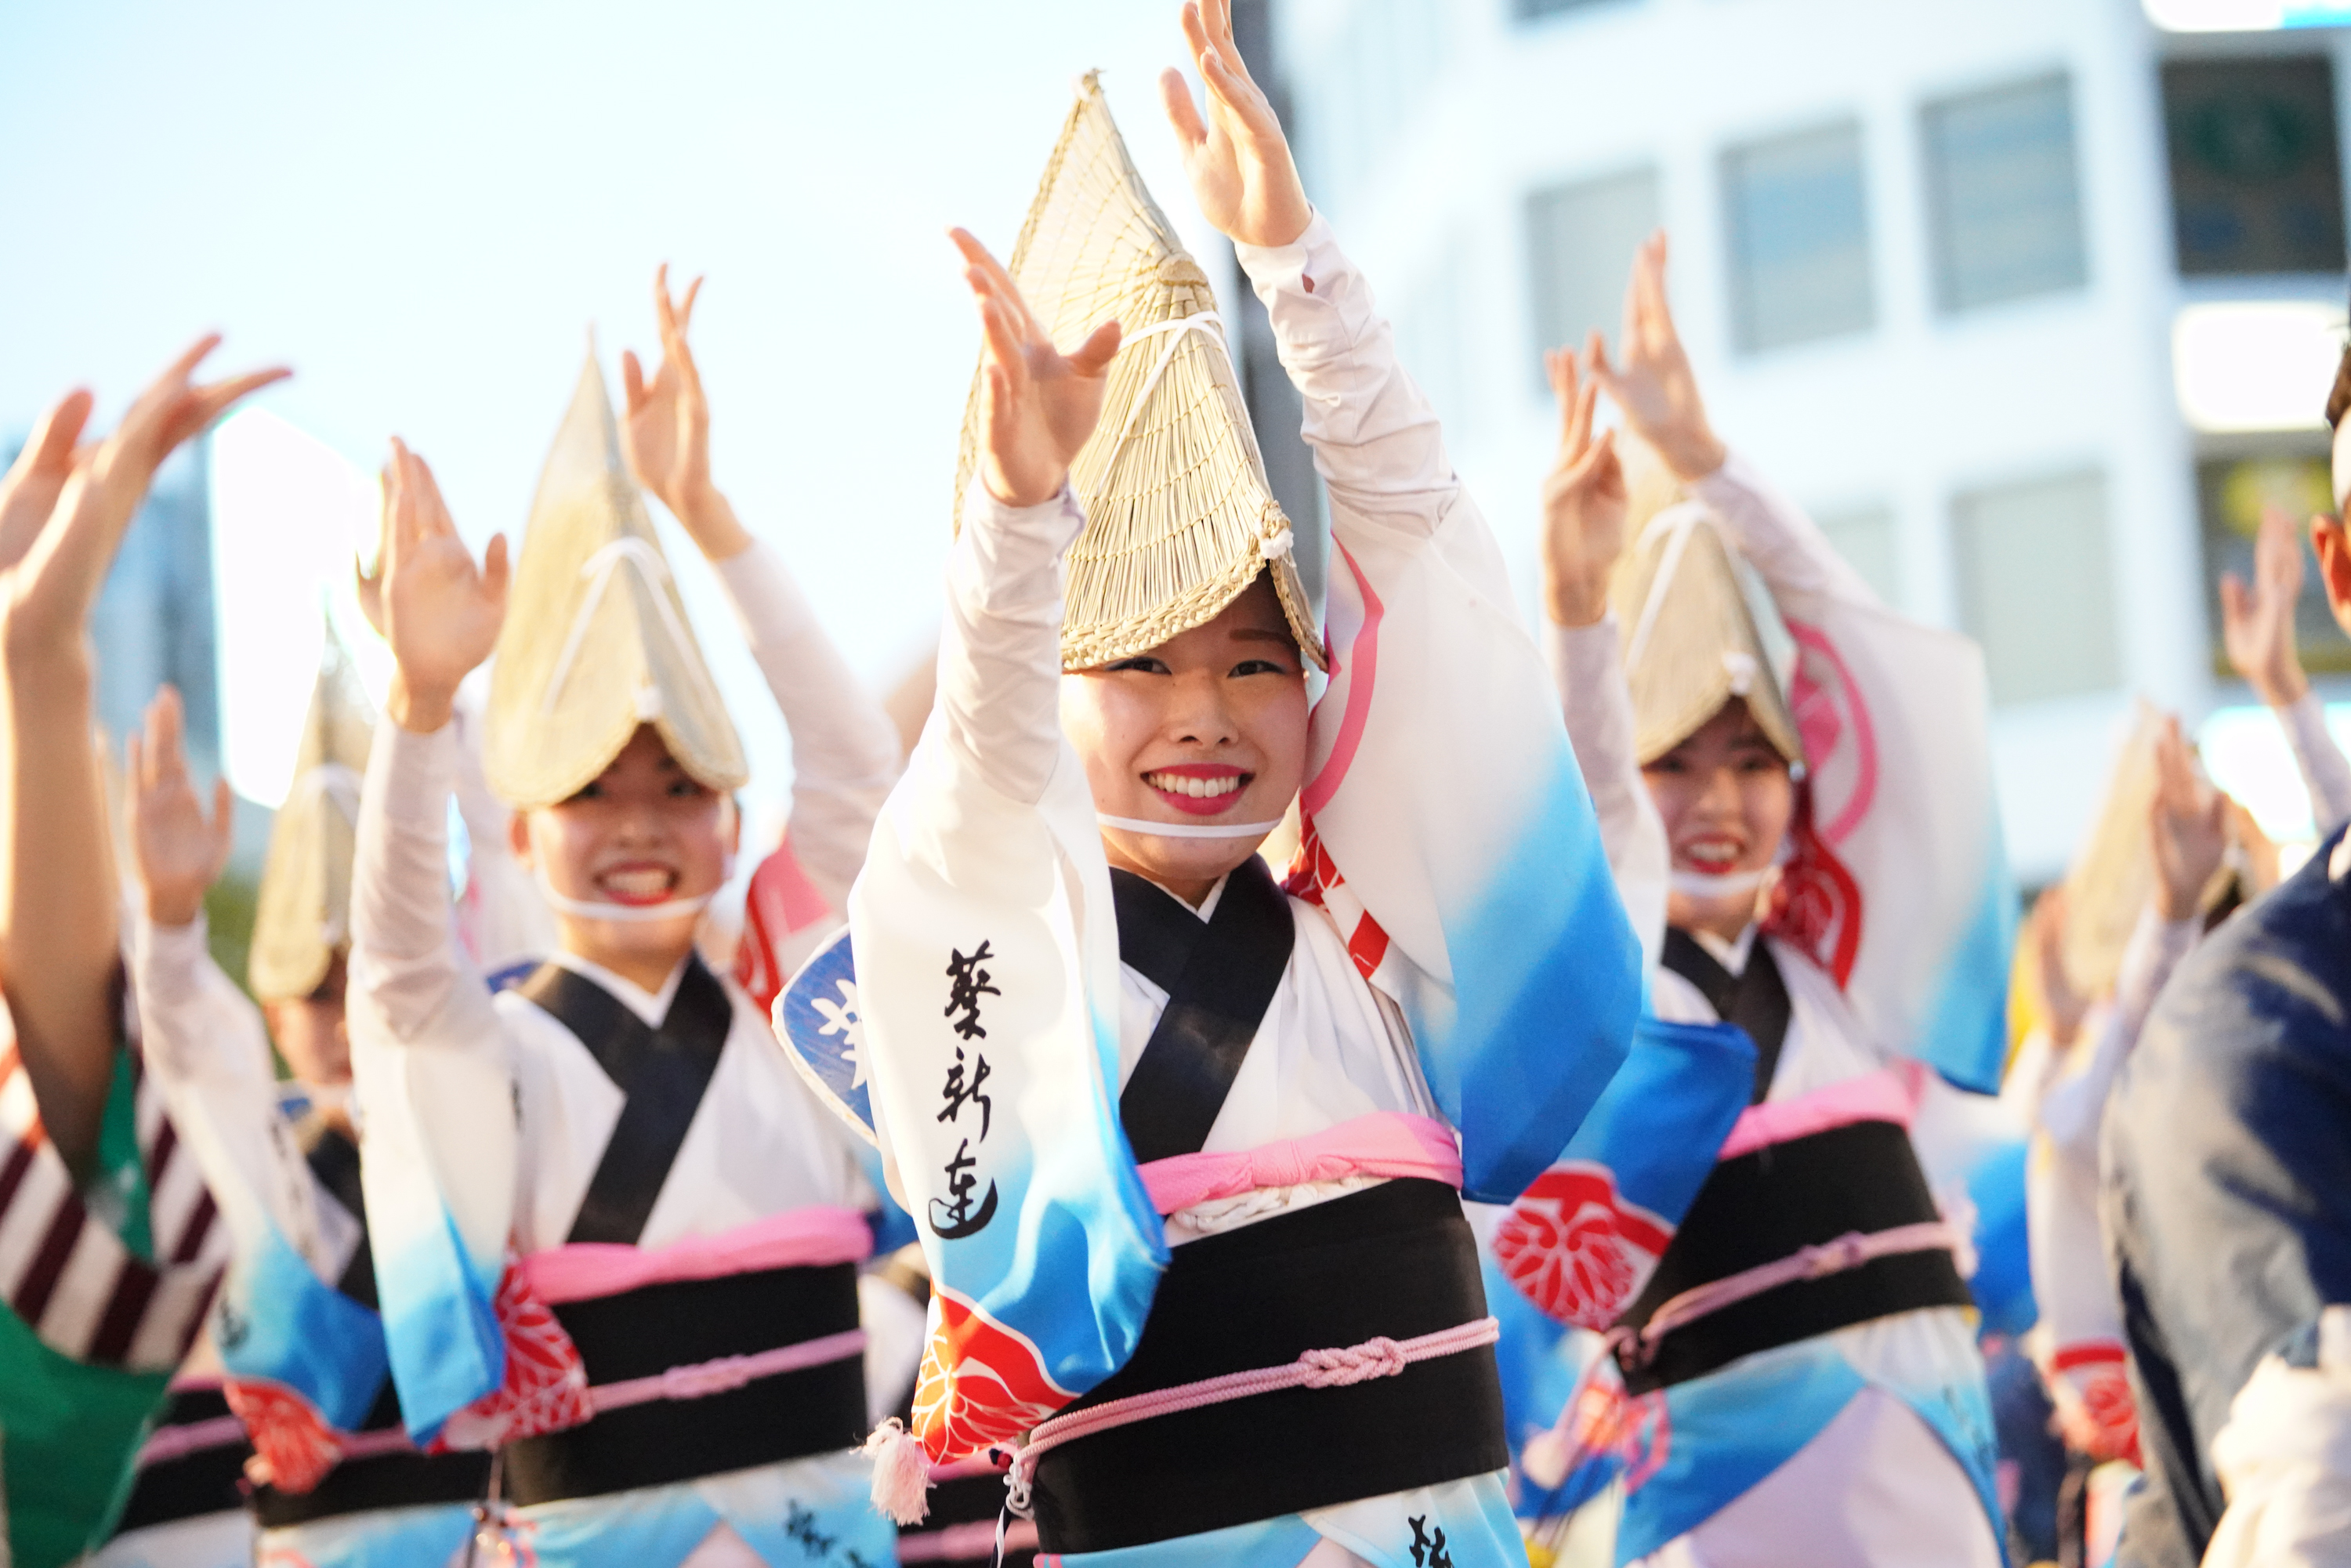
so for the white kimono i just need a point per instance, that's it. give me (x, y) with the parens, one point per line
(758, 1145)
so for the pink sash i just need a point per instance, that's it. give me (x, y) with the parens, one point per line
(1385, 1144)
(798, 1237)
(1890, 1094)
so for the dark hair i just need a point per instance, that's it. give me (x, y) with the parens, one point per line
(2339, 399)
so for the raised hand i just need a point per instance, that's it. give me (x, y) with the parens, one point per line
(442, 612)
(176, 850)
(29, 491)
(1654, 386)
(667, 432)
(1237, 159)
(57, 567)
(1585, 503)
(1042, 404)
(2257, 622)
(2187, 827)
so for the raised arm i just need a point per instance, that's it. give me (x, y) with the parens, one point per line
(62, 517)
(410, 980)
(1000, 651)
(1653, 386)
(1584, 506)
(202, 1039)
(2257, 630)
(844, 747)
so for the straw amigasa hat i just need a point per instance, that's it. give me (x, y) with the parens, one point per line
(302, 917)
(1699, 631)
(596, 641)
(1179, 518)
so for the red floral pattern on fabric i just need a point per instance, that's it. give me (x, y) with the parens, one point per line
(1816, 902)
(293, 1446)
(1314, 877)
(1575, 1249)
(546, 1387)
(980, 1384)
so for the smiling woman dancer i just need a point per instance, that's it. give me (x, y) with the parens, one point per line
(618, 1237)
(1805, 778)
(1310, 1079)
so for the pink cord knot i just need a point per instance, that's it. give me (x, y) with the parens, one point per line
(1381, 1358)
(1850, 1250)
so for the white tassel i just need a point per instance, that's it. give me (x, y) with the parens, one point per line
(901, 1472)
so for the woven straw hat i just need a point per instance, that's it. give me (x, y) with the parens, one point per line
(2112, 875)
(596, 640)
(303, 914)
(1179, 518)
(1696, 633)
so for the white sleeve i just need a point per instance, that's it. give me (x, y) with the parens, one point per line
(1000, 649)
(2325, 773)
(204, 1042)
(506, 918)
(1598, 706)
(2284, 1460)
(2072, 1108)
(1787, 547)
(407, 971)
(844, 747)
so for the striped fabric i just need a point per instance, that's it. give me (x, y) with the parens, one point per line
(68, 1274)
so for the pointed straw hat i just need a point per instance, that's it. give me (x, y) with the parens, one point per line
(1179, 518)
(302, 915)
(1697, 632)
(596, 640)
(2113, 876)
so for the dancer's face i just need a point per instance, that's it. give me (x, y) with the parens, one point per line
(1726, 799)
(1209, 727)
(644, 833)
(310, 1033)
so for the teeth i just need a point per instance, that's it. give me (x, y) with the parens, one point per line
(637, 883)
(1198, 789)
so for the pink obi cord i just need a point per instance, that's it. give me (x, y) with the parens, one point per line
(1850, 1250)
(169, 1443)
(1385, 1144)
(798, 1238)
(1890, 1094)
(727, 1372)
(1381, 1358)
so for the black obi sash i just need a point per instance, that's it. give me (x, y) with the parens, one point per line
(1769, 1203)
(1395, 1259)
(642, 1333)
(371, 1481)
(203, 1480)
(645, 1331)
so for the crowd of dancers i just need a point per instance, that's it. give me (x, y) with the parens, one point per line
(1230, 1080)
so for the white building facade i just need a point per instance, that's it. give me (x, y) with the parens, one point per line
(1957, 276)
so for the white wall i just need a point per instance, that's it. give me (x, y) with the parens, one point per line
(1424, 124)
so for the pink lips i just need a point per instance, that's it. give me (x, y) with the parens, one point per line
(1200, 805)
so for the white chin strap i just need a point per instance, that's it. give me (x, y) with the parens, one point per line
(1699, 885)
(1189, 829)
(601, 909)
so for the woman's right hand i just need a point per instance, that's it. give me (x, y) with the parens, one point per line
(442, 612)
(1585, 503)
(1040, 404)
(2257, 620)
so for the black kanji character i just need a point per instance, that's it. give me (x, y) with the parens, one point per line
(958, 1093)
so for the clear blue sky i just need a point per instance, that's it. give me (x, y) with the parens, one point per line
(421, 208)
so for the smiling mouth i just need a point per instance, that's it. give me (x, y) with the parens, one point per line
(1199, 790)
(637, 884)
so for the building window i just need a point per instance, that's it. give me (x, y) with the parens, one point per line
(1799, 228)
(2232, 494)
(2036, 587)
(1579, 242)
(2004, 193)
(2256, 174)
(1863, 538)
